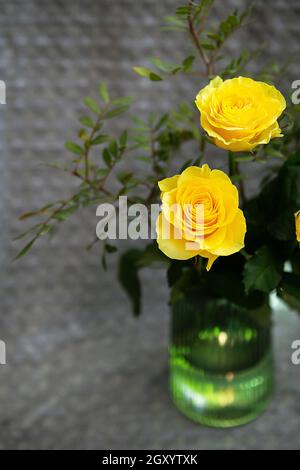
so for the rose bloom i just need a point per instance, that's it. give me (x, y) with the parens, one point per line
(297, 221)
(240, 113)
(182, 234)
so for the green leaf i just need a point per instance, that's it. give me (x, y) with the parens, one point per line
(188, 63)
(40, 211)
(124, 176)
(103, 92)
(177, 69)
(185, 66)
(278, 219)
(174, 20)
(107, 157)
(231, 23)
(152, 255)
(161, 122)
(282, 226)
(139, 123)
(86, 121)
(162, 65)
(107, 249)
(28, 231)
(123, 139)
(290, 185)
(64, 214)
(145, 159)
(270, 151)
(208, 46)
(289, 290)
(132, 183)
(128, 277)
(92, 105)
(141, 139)
(110, 248)
(25, 249)
(183, 10)
(83, 135)
(113, 148)
(102, 172)
(147, 73)
(126, 100)
(263, 271)
(26, 215)
(115, 112)
(100, 139)
(74, 148)
(214, 36)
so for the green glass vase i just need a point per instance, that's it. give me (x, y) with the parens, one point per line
(221, 371)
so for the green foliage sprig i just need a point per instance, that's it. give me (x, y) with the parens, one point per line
(270, 260)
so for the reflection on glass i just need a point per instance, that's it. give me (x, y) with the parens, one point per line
(220, 363)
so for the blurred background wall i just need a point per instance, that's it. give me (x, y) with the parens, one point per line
(81, 372)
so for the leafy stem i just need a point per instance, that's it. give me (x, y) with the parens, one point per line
(195, 37)
(94, 129)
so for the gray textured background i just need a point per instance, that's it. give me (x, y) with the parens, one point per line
(81, 372)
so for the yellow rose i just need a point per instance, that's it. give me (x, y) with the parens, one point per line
(297, 221)
(220, 229)
(240, 113)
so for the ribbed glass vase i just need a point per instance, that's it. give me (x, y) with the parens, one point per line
(221, 371)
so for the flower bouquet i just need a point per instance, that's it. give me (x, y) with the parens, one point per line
(224, 250)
